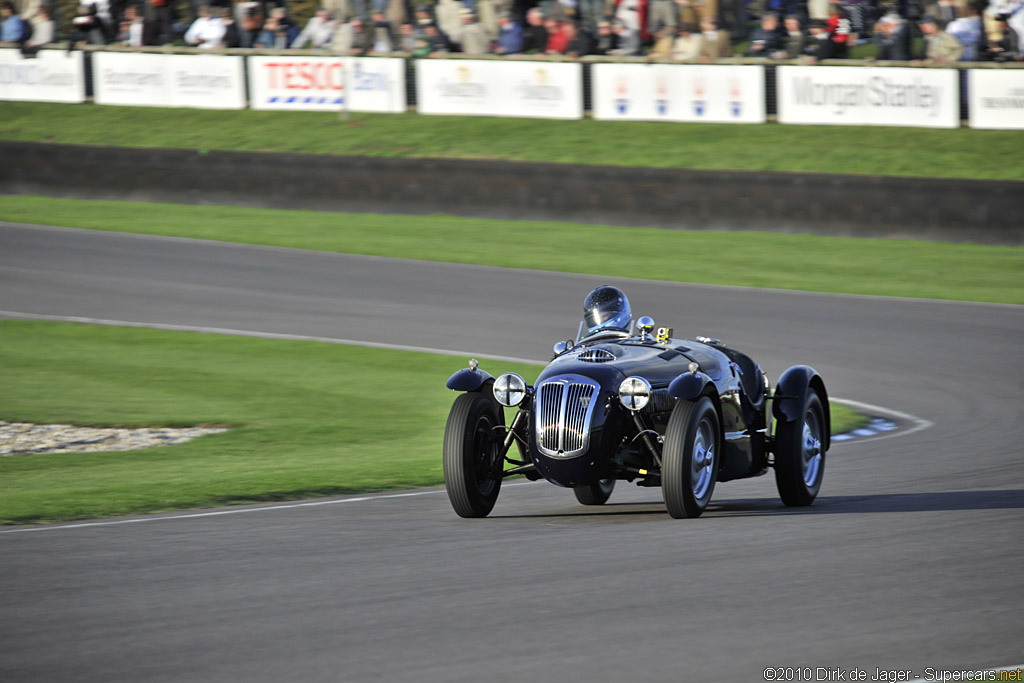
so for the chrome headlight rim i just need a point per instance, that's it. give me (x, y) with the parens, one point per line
(634, 393)
(509, 389)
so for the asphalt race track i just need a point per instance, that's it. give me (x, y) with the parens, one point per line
(910, 558)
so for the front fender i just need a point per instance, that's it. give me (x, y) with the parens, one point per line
(468, 380)
(791, 396)
(688, 386)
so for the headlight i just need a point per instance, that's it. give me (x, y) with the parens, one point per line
(634, 392)
(510, 389)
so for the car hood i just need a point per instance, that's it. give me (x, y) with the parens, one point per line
(610, 362)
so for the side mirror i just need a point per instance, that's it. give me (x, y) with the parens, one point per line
(645, 325)
(563, 346)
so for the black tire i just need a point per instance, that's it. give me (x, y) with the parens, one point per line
(595, 494)
(687, 484)
(799, 459)
(472, 455)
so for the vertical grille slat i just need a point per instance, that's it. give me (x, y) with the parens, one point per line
(565, 406)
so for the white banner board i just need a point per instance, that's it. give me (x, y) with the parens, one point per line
(996, 98)
(295, 83)
(678, 92)
(875, 96)
(155, 80)
(499, 88)
(50, 76)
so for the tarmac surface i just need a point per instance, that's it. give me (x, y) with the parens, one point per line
(909, 559)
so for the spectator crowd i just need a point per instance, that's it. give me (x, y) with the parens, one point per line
(929, 31)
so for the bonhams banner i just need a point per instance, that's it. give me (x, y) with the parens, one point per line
(296, 83)
(499, 88)
(49, 76)
(996, 98)
(679, 92)
(876, 96)
(195, 81)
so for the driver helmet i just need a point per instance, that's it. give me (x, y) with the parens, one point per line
(607, 308)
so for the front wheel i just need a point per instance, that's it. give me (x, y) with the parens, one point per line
(472, 455)
(690, 457)
(595, 494)
(799, 454)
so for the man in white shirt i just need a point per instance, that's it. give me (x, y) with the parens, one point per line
(206, 32)
(318, 31)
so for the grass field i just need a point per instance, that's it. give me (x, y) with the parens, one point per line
(960, 153)
(308, 419)
(805, 262)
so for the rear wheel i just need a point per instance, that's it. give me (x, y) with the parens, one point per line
(472, 455)
(595, 494)
(799, 456)
(690, 457)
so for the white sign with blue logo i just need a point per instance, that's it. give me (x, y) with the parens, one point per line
(50, 76)
(296, 83)
(679, 92)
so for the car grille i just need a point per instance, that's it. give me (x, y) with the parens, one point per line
(564, 408)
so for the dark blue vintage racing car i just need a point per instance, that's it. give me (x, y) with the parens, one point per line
(624, 401)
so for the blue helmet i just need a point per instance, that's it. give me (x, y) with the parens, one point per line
(607, 308)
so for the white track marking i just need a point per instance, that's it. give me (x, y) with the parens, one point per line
(917, 424)
(478, 267)
(262, 335)
(239, 511)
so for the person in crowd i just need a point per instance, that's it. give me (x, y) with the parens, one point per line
(535, 35)
(249, 17)
(352, 39)
(44, 29)
(510, 36)
(892, 38)
(661, 14)
(939, 46)
(103, 14)
(406, 40)
(449, 16)
(318, 31)
(796, 39)
(232, 33)
(558, 41)
(628, 13)
(207, 31)
(838, 27)
(664, 37)
(967, 29)
(579, 42)
(819, 43)
(431, 41)
(472, 38)
(714, 43)
(605, 42)
(14, 29)
(766, 40)
(88, 28)
(159, 18)
(628, 39)
(383, 38)
(133, 31)
(688, 44)
(943, 11)
(1005, 48)
(424, 15)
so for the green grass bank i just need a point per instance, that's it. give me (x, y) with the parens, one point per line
(959, 153)
(308, 419)
(907, 268)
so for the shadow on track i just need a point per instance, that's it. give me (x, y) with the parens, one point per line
(944, 501)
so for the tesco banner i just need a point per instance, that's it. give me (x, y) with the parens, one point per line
(50, 76)
(296, 83)
(499, 88)
(155, 80)
(996, 98)
(876, 96)
(679, 92)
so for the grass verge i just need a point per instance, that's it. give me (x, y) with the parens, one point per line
(959, 153)
(907, 268)
(309, 419)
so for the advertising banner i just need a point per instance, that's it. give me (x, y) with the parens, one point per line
(876, 96)
(296, 83)
(679, 92)
(996, 98)
(154, 80)
(50, 76)
(499, 88)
